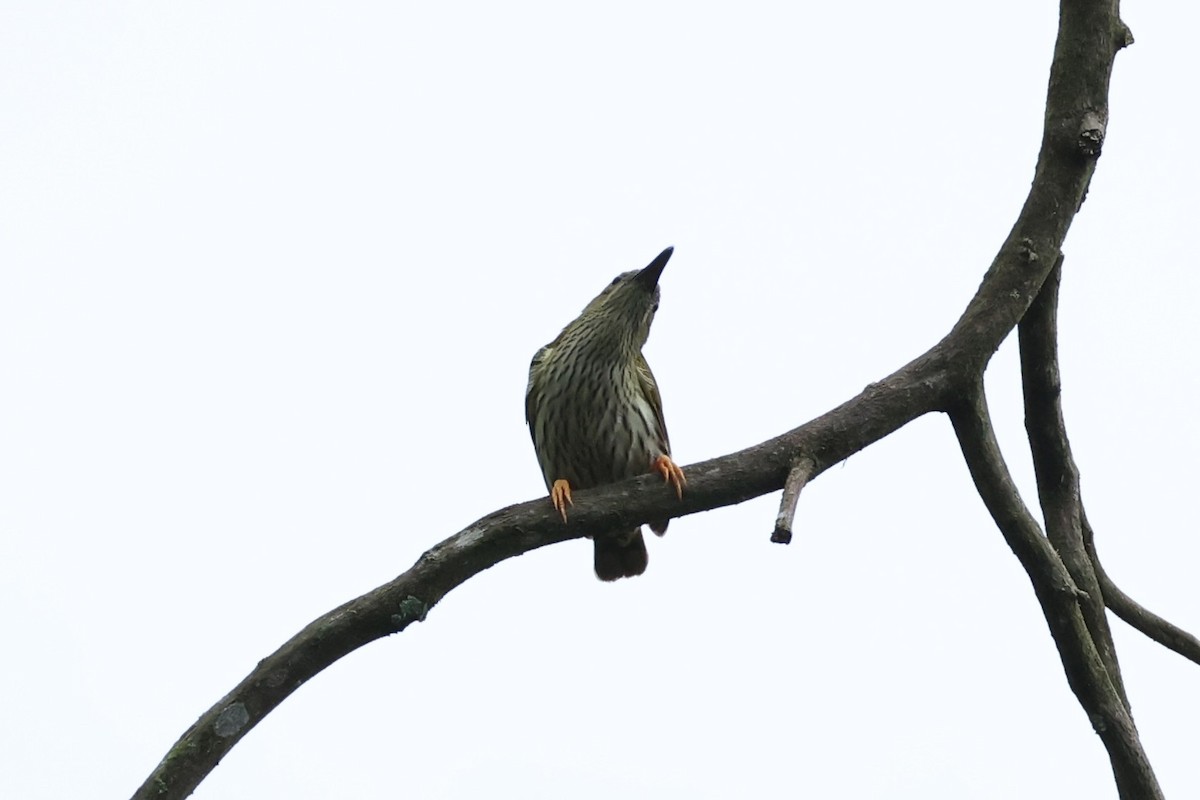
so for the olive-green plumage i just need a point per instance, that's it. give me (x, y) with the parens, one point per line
(594, 410)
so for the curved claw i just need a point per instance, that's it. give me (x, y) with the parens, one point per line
(560, 497)
(671, 473)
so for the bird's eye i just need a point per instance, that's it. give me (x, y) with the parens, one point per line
(615, 281)
(654, 307)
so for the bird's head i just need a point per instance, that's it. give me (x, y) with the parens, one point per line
(626, 306)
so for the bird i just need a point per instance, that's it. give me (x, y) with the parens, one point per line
(594, 410)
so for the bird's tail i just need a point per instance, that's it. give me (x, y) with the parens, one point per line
(620, 555)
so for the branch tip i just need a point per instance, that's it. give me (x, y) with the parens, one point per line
(801, 471)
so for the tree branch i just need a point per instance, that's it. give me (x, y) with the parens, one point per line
(1060, 600)
(1089, 35)
(973, 427)
(797, 479)
(832, 437)
(1054, 465)
(1058, 488)
(1141, 619)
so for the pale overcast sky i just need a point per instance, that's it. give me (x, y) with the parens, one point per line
(272, 277)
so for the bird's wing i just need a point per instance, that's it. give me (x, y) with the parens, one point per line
(649, 389)
(532, 398)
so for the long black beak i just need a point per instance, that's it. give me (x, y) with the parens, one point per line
(648, 277)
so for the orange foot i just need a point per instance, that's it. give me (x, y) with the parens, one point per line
(671, 473)
(560, 496)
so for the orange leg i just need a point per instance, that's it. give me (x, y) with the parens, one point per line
(671, 473)
(560, 496)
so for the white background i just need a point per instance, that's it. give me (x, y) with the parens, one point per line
(272, 274)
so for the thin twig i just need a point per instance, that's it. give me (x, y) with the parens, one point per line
(798, 476)
(1134, 614)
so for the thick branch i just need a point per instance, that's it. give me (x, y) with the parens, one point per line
(1067, 526)
(1054, 465)
(973, 426)
(876, 412)
(1060, 601)
(1087, 40)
